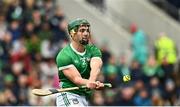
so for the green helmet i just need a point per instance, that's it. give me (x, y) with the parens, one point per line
(74, 24)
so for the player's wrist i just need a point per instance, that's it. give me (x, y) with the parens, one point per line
(93, 78)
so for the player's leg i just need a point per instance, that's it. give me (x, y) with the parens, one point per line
(70, 99)
(62, 100)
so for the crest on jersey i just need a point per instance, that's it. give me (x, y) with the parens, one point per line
(75, 101)
(85, 60)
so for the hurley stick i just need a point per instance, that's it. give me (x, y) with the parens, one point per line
(45, 92)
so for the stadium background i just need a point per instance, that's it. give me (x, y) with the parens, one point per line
(33, 31)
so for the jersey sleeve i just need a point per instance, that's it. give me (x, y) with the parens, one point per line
(96, 52)
(63, 61)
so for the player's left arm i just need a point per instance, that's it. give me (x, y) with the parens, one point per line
(95, 64)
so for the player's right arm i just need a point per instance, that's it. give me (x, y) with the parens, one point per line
(73, 74)
(65, 65)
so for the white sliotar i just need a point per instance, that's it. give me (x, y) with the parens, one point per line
(70, 100)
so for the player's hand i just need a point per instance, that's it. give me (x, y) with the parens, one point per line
(91, 84)
(126, 78)
(100, 85)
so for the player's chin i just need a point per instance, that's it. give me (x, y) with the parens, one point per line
(84, 42)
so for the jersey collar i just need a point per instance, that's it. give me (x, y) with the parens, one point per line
(79, 53)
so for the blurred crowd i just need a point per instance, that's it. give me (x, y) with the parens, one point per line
(154, 76)
(32, 32)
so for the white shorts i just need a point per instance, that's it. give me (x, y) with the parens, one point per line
(70, 99)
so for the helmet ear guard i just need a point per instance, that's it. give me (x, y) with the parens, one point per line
(72, 32)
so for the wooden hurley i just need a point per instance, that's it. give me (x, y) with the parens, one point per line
(46, 92)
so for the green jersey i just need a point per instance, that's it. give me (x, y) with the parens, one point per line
(69, 57)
